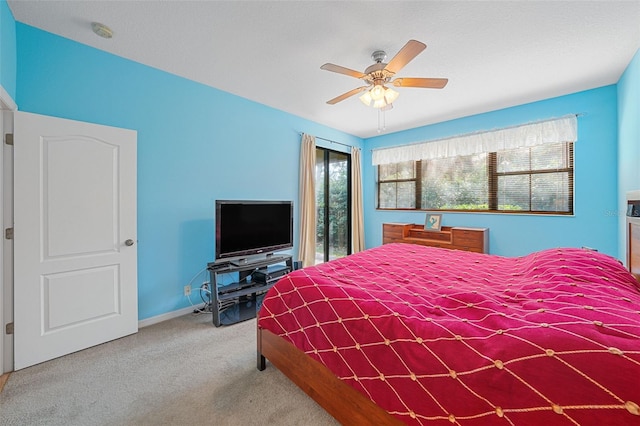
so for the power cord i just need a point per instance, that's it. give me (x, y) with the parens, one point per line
(204, 288)
(206, 308)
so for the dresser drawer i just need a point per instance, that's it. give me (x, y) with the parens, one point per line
(394, 230)
(477, 249)
(430, 243)
(467, 237)
(389, 240)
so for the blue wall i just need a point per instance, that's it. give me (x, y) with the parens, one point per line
(594, 223)
(628, 140)
(7, 50)
(196, 144)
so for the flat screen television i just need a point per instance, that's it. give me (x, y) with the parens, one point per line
(245, 228)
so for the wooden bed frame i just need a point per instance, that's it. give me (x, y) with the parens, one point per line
(343, 402)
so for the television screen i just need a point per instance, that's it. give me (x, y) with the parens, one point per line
(246, 228)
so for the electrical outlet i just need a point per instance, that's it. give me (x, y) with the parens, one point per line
(187, 290)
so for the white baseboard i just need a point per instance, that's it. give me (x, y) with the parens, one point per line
(166, 316)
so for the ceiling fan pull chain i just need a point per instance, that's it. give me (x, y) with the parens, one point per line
(384, 120)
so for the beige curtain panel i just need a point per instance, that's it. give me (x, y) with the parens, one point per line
(357, 215)
(307, 245)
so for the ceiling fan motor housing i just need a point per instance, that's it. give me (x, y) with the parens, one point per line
(379, 56)
(377, 74)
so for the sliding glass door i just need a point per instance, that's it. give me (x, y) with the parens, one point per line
(333, 204)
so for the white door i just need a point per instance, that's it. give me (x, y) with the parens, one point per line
(75, 255)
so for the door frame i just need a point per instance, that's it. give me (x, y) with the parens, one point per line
(326, 161)
(7, 107)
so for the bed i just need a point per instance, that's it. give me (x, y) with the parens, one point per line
(409, 334)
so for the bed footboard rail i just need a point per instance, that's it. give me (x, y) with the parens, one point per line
(343, 402)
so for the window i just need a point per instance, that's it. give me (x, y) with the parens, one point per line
(536, 179)
(455, 183)
(397, 185)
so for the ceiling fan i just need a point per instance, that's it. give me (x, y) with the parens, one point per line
(376, 94)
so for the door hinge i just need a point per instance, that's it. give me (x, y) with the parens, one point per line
(8, 138)
(8, 233)
(9, 328)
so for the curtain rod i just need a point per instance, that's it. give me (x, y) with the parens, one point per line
(329, 140)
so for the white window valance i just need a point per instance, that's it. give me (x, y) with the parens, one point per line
(558, 130)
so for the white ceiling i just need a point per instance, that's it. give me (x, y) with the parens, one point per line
(496, 54)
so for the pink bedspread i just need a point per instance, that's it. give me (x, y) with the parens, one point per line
(449, 337)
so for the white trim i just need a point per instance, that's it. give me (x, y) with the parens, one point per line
(6, 288)
(169, 315)
(3, 293)
(7, 100)
(564, 129)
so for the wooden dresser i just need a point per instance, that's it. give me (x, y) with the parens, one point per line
(458, 238)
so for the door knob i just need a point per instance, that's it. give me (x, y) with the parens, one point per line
(129, 242)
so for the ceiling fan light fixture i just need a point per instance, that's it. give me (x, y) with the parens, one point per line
(379, 96)
(366, 98)
(390, 95)
(377, 92)
(379, 103)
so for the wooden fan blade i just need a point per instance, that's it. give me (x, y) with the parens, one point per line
(428, 83)
(405, 55)
(346, 95)
(342, 70)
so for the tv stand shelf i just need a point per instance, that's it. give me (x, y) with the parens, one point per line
(240, 300)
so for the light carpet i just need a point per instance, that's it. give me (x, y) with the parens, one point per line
(182, 371)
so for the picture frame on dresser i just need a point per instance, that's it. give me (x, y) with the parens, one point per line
(433, 222)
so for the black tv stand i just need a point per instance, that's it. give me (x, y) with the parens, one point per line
(248, 261)
(239, 262)
(242, 298)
